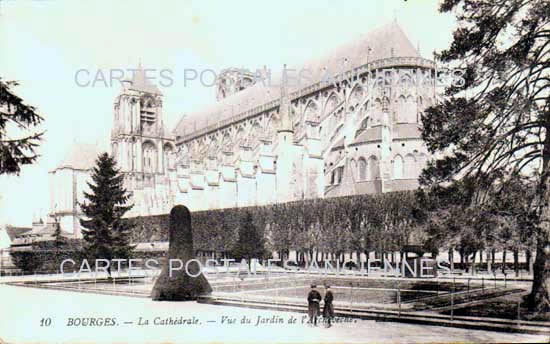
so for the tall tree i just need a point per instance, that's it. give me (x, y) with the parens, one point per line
(18, 140)
(250, 243)
(498, 121)
(106, 235)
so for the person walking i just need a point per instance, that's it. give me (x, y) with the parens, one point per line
(313, 300)
(328, 308)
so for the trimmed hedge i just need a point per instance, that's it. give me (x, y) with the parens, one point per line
(358, 223)
(333, 226)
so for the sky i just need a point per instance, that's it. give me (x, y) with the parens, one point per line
(56, 48)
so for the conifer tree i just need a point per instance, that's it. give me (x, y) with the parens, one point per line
(250, 243)
(17, 139)
(106, 235)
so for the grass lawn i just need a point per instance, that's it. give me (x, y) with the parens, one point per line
(505, 307)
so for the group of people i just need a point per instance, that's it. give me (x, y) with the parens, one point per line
(314, 300)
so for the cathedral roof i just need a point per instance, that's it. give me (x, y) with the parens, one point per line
(14, 232)
(370, 134)
(407, 130)
(81, 156)
(385, 42)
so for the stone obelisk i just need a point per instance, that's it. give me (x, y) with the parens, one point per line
(181, 285)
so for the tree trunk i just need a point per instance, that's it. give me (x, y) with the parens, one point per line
(473, 266)
(528, 260)
(516, 262)
(452, 258)
(493, 254)
(489, 263)
(539, 299)
(504, 260)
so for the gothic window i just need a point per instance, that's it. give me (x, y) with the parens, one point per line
(406, 81)
(340, 174)
(356, 95)
(373, 170)
(398, 167)
(402, 109)
(149, 157)
(353, 169)
(311, 113)
(410, 167)
(389, 78)
(385, 103)
(331, 104)
(241, 139)
(332, 177)
(168, 157)
(362, 169)
(380, 81)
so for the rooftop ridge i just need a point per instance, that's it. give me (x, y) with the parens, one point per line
(385, 44)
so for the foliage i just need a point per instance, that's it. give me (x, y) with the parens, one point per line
(496, 124)
(250, 243)
(363, 223)
(27, 261)
(17, 120)
(106, 235)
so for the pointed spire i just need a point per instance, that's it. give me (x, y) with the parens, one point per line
(141, 83)
(284, 107)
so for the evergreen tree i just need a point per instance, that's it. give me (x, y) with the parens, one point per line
(498, 122)
(106, 235)
(17, 144)
(250, 243)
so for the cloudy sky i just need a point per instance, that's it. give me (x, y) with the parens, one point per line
(44, 43)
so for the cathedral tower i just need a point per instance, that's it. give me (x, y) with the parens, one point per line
(141, 146)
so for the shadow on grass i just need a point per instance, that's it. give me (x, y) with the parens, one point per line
(505, 307)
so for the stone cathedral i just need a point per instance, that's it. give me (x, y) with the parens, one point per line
(266, 142)
(262, 143)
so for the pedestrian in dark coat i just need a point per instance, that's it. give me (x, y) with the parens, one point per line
(328, 309)
(313, 300)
